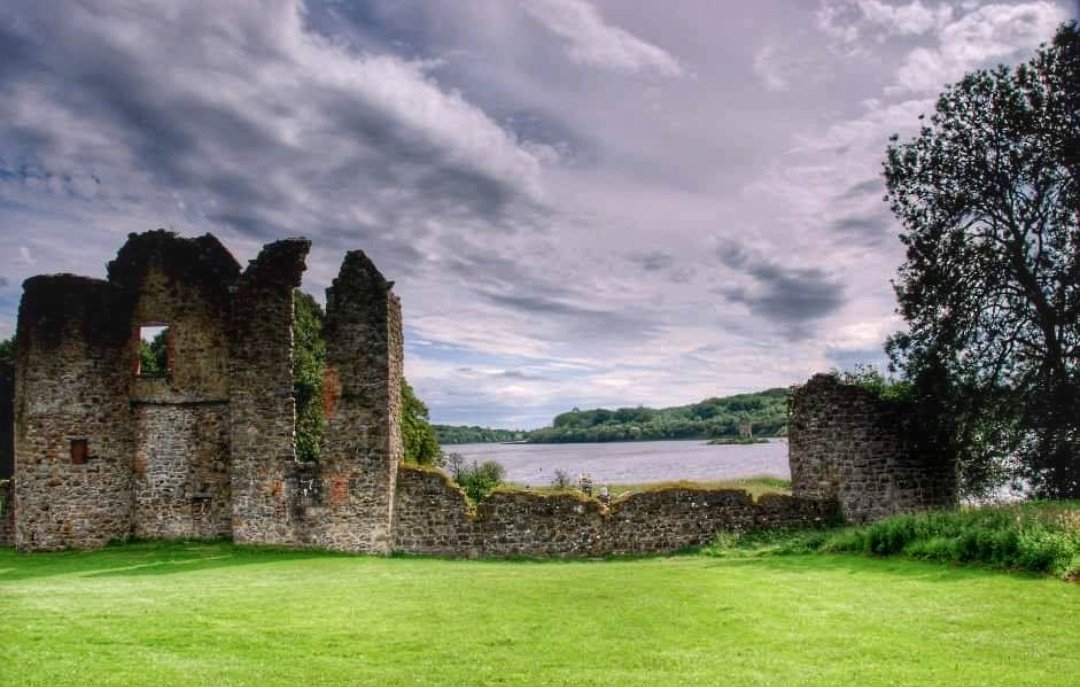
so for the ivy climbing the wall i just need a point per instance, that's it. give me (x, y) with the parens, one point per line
(309, 367)
(309, 364)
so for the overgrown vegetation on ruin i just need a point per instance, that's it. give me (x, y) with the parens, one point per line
(417, 435)
(476, 479)
(1038, 537)
(309, 367)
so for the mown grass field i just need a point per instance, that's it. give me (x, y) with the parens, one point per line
(216, 614)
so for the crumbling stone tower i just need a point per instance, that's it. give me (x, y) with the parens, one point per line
(846, 443)
(205, 448)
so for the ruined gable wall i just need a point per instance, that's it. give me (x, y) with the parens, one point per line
(846, 443)
(181, 464)
(432, 518)
(362, 445)
(73, 368)
(265, 485)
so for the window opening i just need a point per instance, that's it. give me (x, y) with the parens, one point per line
(80, 451)
(153, 350)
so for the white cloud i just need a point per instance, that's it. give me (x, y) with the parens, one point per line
(553, 232)
(911, 19)
(770, 69)
(855, 26)
(596, 43)
(991, 33)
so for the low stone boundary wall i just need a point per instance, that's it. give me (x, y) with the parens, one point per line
(433, 517)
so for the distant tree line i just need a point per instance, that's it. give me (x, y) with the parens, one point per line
(451, 434)
(713, 417)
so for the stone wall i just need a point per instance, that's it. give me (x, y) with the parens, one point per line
(845, 442)
(362, 441)
(7, 419)
(7, 513)
(433, 518)
(180, 474)
(73, 371)
(262, 408)
(207, 450)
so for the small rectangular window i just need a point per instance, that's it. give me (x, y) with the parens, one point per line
(153, 351)
(80, 451)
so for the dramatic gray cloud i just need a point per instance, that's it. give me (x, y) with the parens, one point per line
(792, 297)
(582, 203)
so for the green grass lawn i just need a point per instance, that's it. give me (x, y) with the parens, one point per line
(215, 614)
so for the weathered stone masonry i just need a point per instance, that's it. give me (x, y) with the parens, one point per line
(7, 452)
(103, 453)
(434, 519)
(846, 443)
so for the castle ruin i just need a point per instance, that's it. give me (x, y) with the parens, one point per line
(206, 449)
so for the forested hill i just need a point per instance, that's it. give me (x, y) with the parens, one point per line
(713, 417)
(451, 434)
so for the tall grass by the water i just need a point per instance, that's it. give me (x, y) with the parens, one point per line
(1038, 537)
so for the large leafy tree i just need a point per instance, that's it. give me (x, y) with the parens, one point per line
(988, 194)
(421, 443)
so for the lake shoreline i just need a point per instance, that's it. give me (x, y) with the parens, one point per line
(633, 462)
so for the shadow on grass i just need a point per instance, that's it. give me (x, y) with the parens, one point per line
(156, 558)
(151, 559)
(145, 559)
(854, 564)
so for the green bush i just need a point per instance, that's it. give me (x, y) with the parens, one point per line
(478, 479)
(1039, 537)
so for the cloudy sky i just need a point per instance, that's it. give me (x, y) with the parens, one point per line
(583, 202)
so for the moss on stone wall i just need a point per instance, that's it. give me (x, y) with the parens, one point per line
(309, 368)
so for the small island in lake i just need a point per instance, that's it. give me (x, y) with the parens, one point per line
(739, 440)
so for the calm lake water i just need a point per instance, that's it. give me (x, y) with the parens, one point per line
(632, 462)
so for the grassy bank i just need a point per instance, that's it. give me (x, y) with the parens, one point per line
(176, 614)
(1037, 537)
(756, 486)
